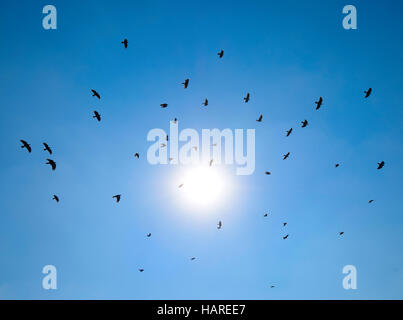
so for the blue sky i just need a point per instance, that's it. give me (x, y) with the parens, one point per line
(286, 54)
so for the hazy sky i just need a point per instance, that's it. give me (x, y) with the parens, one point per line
(286, 54)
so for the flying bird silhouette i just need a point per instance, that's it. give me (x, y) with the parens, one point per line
(163, 145)
(319, 103)
(117, 197)
(55, 197)
(148, 235)
(304, 123)
(164, 105)
(205, 103)
(341, 233)
(370, 201)
(125, 42)
(137, 155)
(247, 98)
(97, 116)
(268, 173)
(284, 224)
(336, 165)
(52, 163)
(95, 94)
(219, 225)
(26, 145)
(289, 132)
(260, 118)
(193, 258)
(368, 92)
(265, 215)
(271, 286)
(181, 185)
(47, 148)
(141, 270)
(186, 83)
(286, 156)
(221, 54)
(381, 164)
(285, 237)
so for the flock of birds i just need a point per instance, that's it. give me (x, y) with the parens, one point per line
(304, 123)
(185, 84)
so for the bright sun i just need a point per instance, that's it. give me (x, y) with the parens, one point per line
(203, 186)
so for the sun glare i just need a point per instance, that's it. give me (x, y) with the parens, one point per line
(204, 186)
